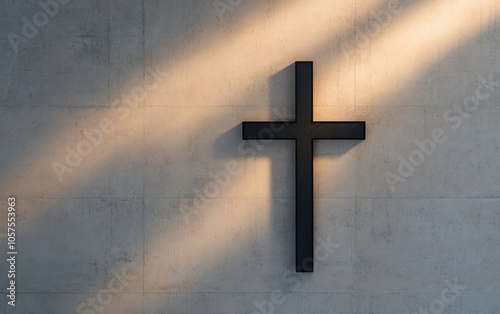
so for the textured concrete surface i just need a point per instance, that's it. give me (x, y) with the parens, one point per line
(151, 94)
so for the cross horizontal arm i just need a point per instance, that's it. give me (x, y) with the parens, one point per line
(336, 131)
(269, 130)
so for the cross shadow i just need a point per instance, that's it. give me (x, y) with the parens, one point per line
(282, 177)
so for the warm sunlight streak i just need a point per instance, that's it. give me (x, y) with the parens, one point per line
(180, 253)
(198, 79)
(414, 42)
(263, 178)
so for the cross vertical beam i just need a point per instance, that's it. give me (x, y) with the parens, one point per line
(303, 92)
(304, 209)
(304, 186)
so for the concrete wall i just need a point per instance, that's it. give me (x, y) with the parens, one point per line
(116, 115)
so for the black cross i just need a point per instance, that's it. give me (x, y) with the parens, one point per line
(303, 130)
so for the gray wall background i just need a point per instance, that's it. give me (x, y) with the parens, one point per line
(132, 202)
